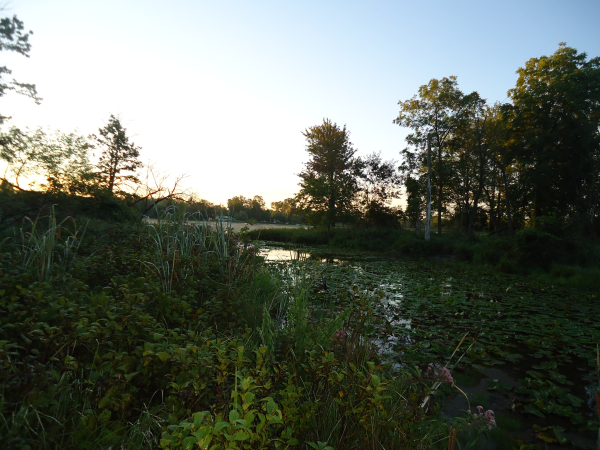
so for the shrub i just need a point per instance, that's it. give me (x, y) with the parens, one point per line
(463, 252)
(505, 265)
(535, 247)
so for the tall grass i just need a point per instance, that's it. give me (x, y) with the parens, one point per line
(51, 249)
(183, 240)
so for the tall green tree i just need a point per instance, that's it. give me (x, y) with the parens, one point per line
(238, 203)
(329, 180)
(556, 126)
(14, 39)
(415, 200)
(469, 150)
(379, 183)
(118, 155)
(287, 210)
(436, 111)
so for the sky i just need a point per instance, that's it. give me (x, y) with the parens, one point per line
(221, 90)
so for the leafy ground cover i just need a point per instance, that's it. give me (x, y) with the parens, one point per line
(530, 347)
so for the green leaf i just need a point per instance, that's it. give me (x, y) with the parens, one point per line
(531, 410)
(249, 417)
(105, 400)
(219, 426)
(129, 376)
(241, 435)
(575, 401)
(376, 380)
(163, 356)
(558, 432)
(198, 419)
(189, 443)
(233, 415)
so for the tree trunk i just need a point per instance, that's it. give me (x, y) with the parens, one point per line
(508, 208)
(428, 213)
(477, 196)
(440, 209)
(440, 182)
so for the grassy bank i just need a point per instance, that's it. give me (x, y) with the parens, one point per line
(551, 257)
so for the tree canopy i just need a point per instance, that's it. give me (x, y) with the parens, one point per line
(511, 163)
(118, 154)
(435, 113)
(328, 182)
(14, 39)
(555, 132)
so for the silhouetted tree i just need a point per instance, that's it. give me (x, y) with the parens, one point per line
(118, 155)
(329, 180)
(13, 39)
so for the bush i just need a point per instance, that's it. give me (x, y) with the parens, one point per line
(463, 252)
(491, 250)
(535, 247)
(505, 265)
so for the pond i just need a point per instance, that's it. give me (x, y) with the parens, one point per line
(529, 350)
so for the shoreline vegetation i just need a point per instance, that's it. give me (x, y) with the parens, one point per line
(171, 333)
(532, 252)
(138, 335)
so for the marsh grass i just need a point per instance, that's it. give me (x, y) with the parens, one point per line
(183, 241)
(570, 276)
(48, 250)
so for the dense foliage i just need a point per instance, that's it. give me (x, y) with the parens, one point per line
(507, 165)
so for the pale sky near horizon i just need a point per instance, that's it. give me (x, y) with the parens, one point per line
(222, 90)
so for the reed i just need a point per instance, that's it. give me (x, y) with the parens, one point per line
(182, 241)
(51, 250)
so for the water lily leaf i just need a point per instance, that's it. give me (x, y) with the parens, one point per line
(546, 365)
(535, 374)
(532, 410)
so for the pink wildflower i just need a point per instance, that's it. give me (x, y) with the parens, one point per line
(440, 374)
(485, 419)
(339, 338)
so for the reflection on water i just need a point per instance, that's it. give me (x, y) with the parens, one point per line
(403, 301)
(288, 254)
(281, 254)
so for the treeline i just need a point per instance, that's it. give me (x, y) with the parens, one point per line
(60, 168)
(531, 162)
(237, 208)
(534, 161)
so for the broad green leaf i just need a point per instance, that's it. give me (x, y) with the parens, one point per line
(219, 426)
(163, 356)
